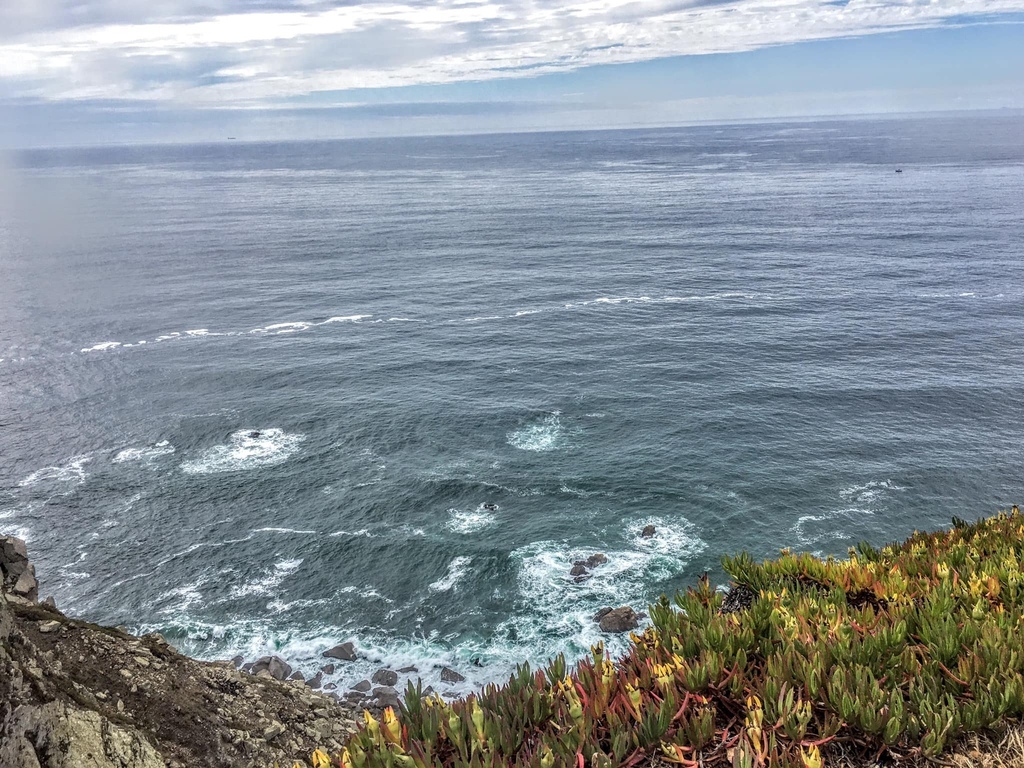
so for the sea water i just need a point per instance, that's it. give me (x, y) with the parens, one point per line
(267, 398)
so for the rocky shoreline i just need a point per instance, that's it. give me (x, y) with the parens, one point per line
(78, 694)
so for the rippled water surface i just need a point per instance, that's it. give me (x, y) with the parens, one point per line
(258, 396)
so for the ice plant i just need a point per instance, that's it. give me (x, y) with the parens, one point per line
(898, 649)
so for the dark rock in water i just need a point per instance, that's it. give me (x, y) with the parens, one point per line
(648, 531)
(386, 677)
(739, 598)
(602, 613)
(578, 570)
(238, 661)
(475, 661)
(17, 574)
(247, 667)
(328, 669)
(449, 675)
(331, 687)
(363, 686)
(296, 676)
(277, 668)
(343, 652)
(408, 670)
(581, 578)
(619, 620)
(385, 696)
(316, 681)
(490, 507)
(355, 696)
(595, 560)
(255, 433)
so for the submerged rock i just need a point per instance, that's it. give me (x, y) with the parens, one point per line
(648, 532)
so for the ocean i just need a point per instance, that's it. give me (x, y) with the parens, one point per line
(268, 398)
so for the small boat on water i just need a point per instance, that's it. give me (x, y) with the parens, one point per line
(899, 170)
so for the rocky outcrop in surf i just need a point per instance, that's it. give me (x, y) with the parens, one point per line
(77, 694)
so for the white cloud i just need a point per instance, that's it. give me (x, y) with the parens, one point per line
(239, 58)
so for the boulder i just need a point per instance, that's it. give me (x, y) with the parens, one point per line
(363, 686)
(449, 675)
(408, 670)
(276, 667)
(328, 669)
(385, 677)
(238, 661)
(17, 574)
(648, 531)
(595, 560)
(316, 681)
(619, 620)
(385, 696)
(578, 570)
(343, 652)
(602, 613)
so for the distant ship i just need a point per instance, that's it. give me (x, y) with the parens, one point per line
(899, 170)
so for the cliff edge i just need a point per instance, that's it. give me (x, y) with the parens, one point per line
(78, 695)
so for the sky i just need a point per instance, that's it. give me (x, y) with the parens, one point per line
(122, 71)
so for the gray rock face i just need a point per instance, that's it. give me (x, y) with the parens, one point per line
(72, 738)
(602, 613)
(343, 652)
(385, 677)
(449, 675)
(17, 574)
(618, 619)
(385, 696)
(275, 667)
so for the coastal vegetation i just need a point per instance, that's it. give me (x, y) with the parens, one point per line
(892, 653)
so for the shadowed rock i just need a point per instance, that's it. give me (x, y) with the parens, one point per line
(385, 677)
(343, 652)
(449, 675)
(619, 620)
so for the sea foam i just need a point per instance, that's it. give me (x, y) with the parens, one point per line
(543, 435)
(146, 454)
(247, 449)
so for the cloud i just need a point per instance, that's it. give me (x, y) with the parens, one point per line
(229, 53)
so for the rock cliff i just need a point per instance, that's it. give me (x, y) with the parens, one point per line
(78, 695)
